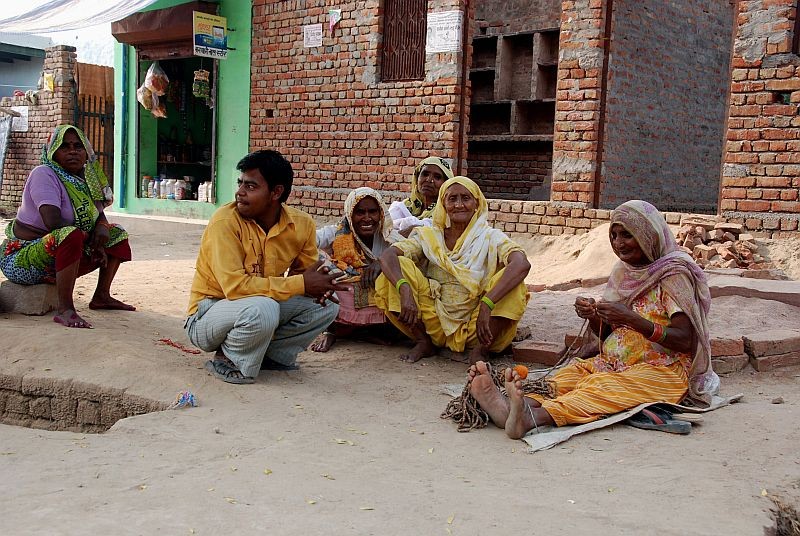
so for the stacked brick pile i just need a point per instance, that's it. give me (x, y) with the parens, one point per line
(773, 349)
(720, 245)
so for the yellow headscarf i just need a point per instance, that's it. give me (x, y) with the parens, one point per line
(416, 203)
(474, 258)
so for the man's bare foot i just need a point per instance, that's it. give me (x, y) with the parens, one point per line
(324, 342)
(520, 416)
(481, 386)
(110, 303)
(420, 350)
(71, 319)
(479, 353)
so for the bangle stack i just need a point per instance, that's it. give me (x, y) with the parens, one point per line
(489, 303)
(659, 333)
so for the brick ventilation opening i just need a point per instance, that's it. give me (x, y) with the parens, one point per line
(52, 404)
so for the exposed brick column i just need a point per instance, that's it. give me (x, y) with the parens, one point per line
(761, 171)
(578, 99)
(46, 112)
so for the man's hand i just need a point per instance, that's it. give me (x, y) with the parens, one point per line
(320, 285)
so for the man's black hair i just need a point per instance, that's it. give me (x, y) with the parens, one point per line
(273, 167)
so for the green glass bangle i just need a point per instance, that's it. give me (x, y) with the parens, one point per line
(489, 303)
(400, 282)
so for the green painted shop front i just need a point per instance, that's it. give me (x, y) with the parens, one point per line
(200, 141)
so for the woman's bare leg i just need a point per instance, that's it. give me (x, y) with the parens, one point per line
(102, 295)
(65, 286)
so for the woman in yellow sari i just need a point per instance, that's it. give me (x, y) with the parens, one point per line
(429, 175)
(652, 321)
(457, 284)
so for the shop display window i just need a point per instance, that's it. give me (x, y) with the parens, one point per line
(176, 153)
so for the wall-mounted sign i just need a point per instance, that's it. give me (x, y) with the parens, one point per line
(444, 32)
(312, 35)
(210, 35)
(20, 123)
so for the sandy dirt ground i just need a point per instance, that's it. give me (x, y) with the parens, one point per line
(353, 443)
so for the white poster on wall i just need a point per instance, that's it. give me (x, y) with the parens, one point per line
(312, 35)
(444, 32)
(20, 123)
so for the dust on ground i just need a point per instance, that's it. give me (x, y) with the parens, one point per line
(353, 441)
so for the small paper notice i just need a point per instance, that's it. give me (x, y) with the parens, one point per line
(312, 35)
(444, 32)
(334, 16)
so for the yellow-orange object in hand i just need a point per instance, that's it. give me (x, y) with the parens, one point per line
(522, 371)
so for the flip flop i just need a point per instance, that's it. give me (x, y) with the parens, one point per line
(654, 418)
(688, 417)
(222, 370)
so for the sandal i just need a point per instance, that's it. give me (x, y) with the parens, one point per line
(224, 370)
(655, 418)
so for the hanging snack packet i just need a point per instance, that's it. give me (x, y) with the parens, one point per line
(156, 79)
(201, 87)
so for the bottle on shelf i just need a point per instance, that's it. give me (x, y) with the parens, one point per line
(144, 187)
(180, 189)
(201, 193)
(169, 189)
(156, 188)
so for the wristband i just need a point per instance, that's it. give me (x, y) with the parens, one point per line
(489, 303)
(400, 282)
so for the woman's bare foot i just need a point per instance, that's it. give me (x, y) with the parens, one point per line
(479, 353)
(520, 415)
(71, 319)
(324, 342)
(420, 350)
(109, 303)
(481, 386)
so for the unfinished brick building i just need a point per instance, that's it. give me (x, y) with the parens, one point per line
(585, 102)
(761, 174)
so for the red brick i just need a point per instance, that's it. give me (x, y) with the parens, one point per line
(730, 363)
(772, 342)
(546, 353)
(771, 362)
(726, 347)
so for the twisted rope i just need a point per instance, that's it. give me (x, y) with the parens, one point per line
(469, 415)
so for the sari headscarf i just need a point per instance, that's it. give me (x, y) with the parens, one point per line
(82, 192)
(472, 261)
(349, 251)
(416, 203)
(678, 275)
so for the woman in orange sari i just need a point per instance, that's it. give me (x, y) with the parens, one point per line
(652, 321)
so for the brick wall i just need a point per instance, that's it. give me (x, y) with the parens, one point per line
(25, 148)
(512, 170)
(578, 102)
(668, 79)
(761, 173)
(510, 16)
(328, 111)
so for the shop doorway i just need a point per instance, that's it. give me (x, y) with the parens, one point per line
(176, 153)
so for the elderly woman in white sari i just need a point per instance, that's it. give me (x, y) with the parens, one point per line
(457, 284)
(354, 246)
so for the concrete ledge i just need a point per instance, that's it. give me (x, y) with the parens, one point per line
(27, 299)
(783, 291)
